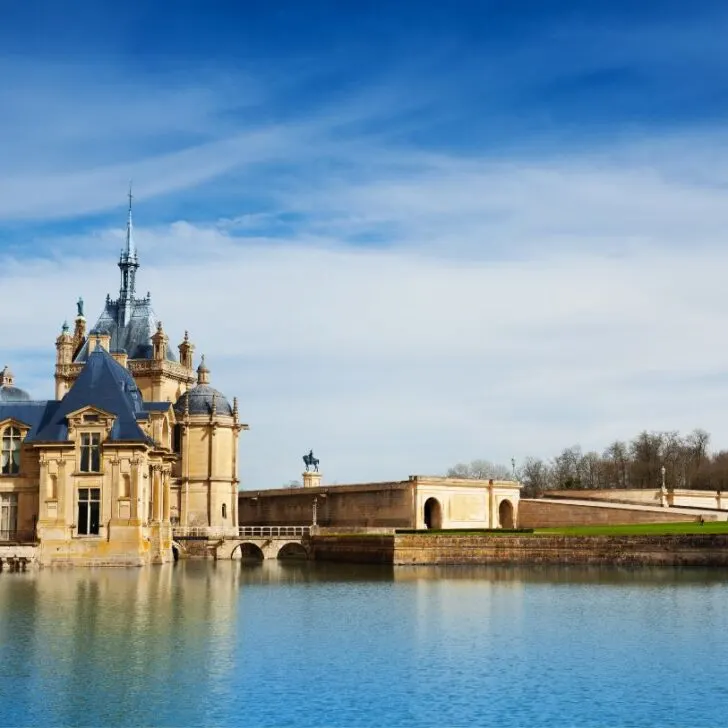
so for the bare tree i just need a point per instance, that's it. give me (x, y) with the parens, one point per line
(480, 470)
(567, 468)
(617, 465)
(536, 477)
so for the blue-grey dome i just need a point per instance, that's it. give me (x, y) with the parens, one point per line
(8, 393)
(200, 401)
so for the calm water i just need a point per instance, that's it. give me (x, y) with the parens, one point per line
(303, 644)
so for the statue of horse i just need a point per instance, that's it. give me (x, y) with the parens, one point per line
(311, 461)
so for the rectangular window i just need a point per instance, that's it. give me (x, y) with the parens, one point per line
(11, 451)
(177, 438)
(90, 452)
(89, 511)
(8, 516)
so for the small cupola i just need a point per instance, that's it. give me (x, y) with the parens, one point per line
(7, 379)
(203, 373)
(8, 391)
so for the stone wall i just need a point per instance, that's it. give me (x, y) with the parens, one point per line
(542, 513)
(353, 549)
(419, 502)
(352, 506)
(682, 550)
(421, 549)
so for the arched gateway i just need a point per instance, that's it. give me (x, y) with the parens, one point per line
(433, 514)
(505, 514)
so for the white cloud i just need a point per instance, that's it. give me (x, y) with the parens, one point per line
(390, 362)
(508, 308)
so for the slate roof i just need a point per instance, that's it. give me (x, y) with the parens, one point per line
(33, 414)
(134, 337)
(157, 406)
(200, 398)
(105, 384)
(9, 393)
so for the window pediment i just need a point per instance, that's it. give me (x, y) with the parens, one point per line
(12, 422)
(89, 419)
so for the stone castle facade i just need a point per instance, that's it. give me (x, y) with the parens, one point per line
(134, 441)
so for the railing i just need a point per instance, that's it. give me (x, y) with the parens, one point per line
(241, 532)
(273, 531)
(203, 532)
(14, 536)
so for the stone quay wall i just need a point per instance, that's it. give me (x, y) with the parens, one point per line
(353, 549)
(413, 549)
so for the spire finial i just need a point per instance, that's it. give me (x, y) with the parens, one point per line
(130, 247)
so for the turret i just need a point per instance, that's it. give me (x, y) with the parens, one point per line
(186, 349)
(160, 341)
(64, 346)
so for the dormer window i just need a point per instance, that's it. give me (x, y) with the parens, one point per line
(90, 452)
(11, 451)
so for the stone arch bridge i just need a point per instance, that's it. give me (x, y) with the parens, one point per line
(257, 542)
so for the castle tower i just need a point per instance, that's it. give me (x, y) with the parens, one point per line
(128, 329)
(210, 430)
(64, 357)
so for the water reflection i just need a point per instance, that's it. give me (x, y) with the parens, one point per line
(79, 633)
(299, 643)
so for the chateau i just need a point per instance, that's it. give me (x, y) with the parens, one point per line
(135, 440)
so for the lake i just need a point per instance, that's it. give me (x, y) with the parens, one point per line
(304, 644)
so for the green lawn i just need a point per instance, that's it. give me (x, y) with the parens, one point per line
(637, 529)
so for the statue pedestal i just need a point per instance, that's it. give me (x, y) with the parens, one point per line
(311, 480)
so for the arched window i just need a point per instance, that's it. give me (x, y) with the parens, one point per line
(224, 510)
(11, 451)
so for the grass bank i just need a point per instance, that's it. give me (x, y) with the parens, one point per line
(637, 529)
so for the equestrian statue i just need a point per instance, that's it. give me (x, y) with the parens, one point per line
(311, 461)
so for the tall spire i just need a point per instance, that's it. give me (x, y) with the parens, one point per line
(130, 250)
(128, 264)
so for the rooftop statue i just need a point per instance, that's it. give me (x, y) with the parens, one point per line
(310, 461)
(79, 306)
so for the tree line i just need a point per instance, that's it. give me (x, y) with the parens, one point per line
(637, 463)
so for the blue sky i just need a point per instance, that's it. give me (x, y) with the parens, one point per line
(434, 231)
